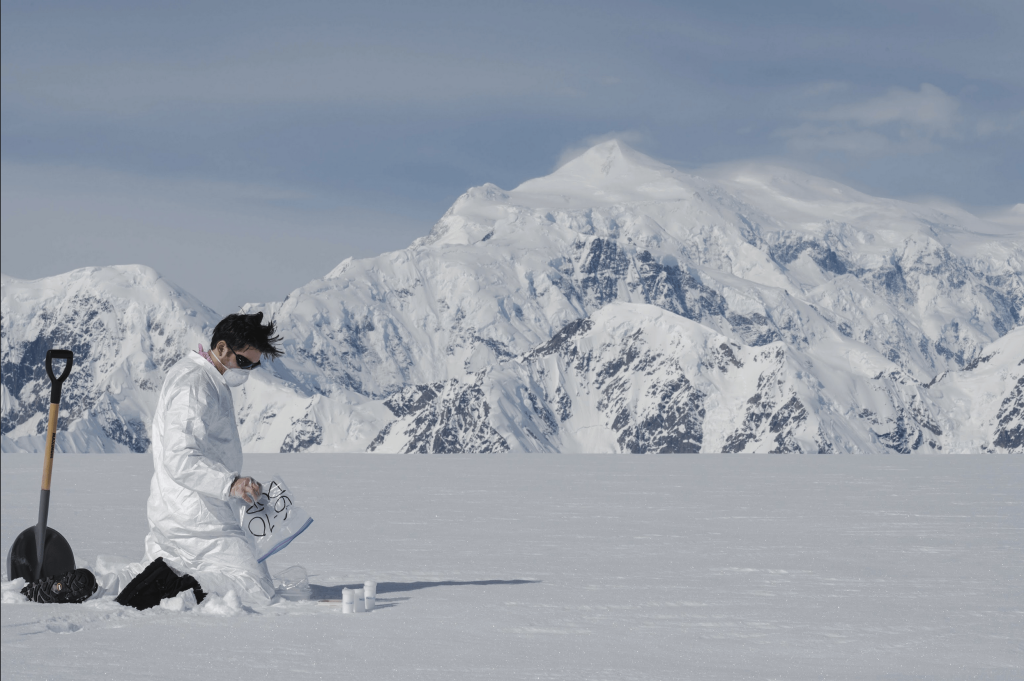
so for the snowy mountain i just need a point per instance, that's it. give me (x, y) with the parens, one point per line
(637, 378)
(619, 304)
(126, 326)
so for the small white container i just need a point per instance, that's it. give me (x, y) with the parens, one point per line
(370, 595)
(357, 595)
(347, 598)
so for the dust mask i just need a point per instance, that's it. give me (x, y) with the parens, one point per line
(233, 377)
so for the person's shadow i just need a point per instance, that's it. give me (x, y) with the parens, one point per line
(320, 592)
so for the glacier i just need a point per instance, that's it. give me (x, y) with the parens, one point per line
(615, 305)
(567, 567)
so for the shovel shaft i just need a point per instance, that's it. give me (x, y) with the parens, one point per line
(44, 493)
(51, 440)
(44, 510)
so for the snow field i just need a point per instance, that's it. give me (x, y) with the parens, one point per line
(567, 567)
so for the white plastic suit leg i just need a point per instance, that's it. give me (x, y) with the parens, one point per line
(234, 567)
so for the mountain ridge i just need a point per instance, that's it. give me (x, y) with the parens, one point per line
(761, 258)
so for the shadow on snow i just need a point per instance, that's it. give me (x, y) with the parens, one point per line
(321, 592)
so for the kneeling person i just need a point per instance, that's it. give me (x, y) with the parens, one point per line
(197, 488)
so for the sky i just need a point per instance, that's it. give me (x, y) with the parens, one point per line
(243, 149)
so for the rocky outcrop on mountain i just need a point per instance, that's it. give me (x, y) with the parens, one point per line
(1009, 433)
(636, 378)
(821, 319)
(444, 418)
(982, 406)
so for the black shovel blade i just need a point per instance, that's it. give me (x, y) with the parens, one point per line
(21, 559)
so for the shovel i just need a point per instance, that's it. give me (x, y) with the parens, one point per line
(41, 551)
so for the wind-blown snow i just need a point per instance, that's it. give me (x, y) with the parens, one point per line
(862, 304)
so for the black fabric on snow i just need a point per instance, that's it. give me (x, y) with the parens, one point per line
(155, 583)
(74, 586)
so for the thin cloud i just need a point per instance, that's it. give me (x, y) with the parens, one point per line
(300, 77)
(811, 137)
(1009, 216)
(929, 110)
(900, 120)
(996, 124)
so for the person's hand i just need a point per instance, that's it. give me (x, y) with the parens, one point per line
(246, 489)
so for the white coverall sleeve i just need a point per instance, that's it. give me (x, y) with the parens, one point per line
(183, 459)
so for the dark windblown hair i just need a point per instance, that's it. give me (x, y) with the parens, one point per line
(242, 331)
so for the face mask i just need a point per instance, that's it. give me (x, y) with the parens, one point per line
(233, 377)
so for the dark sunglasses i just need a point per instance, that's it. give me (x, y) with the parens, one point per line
(242, 361)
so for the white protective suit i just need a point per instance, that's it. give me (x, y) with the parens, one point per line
(193, 522)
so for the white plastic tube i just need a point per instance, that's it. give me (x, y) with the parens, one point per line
(360, 603)
(347, 598)
(370, 595)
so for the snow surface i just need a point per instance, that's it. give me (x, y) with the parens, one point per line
(567, 567)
